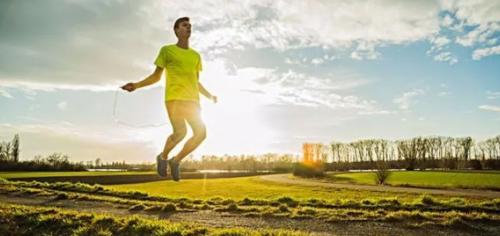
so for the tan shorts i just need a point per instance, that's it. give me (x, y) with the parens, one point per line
(183, 110)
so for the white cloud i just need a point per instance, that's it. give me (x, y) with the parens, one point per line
(267, 87)
(317, 61)
(62, 105)
(84, 54)
(444, 94)
(476, 12)
(484, 52)
(291, 62)
(327, 57)
(446, 56)
(490, 108)
(301, 89)
(406, 99)
(327, 24)
(365, 51)
(336, 22)
(483, 16)
(480, 34)
(493, 95)
(441, 41)
(447, 20)
(492, 41)
(377, 112)
(4, 93)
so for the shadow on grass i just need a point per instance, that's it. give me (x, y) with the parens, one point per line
(339, 179)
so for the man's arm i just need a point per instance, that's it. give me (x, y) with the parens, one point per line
(153, 78)
(205, 91)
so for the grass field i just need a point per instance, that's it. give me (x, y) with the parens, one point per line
(235, 188)
(8, 175)
(413, 209)
(256, 188)
(26, 220)
(248, 197)
(475, 180)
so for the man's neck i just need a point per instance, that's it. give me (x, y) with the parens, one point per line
(183, 43)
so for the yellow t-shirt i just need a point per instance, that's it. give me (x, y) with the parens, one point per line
(182, 67)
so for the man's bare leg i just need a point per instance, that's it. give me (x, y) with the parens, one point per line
(171, 142)
(199, 134)
(176, 115)
(189, 146)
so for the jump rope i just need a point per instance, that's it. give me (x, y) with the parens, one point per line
(128, 124)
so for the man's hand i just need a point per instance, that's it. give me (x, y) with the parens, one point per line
(129, 87)
(214, 99)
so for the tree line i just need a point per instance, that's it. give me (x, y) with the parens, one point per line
(10, 152)
(248, 163)
(416, 153)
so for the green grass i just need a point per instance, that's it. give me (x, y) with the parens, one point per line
(416, 209)
(457, 179)
(32, 174)
(236, 188)
(24, 220)
(257, 188)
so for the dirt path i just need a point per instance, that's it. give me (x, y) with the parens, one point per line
(229, 220)
(284, 178)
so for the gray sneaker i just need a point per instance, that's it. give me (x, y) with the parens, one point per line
(161, 166)
(175, 169)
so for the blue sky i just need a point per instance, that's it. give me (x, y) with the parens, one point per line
(285, 72)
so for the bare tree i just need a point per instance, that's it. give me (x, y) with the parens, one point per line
(7, 151)
(308, 152)
(15, 149)
(3, 157)
(98, 162)
(408, 152)
(38, 159)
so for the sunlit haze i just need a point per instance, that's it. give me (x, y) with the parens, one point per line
(285, 72)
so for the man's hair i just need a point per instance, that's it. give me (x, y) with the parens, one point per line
(179, 21)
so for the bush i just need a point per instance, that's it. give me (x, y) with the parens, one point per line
(492, 164)
(382, 173)
(288, 201)
(62, 196)
(246, 201)
(169, 208)
(450, 163)
(138, 207)
(283, 208)
(476, 164)
(232, 207)
(427, 200)
(310, 170)
(283, 169)
(228, 202)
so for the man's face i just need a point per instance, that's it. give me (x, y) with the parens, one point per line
(184, 29)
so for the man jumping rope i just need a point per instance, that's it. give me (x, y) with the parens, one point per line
(182, 99)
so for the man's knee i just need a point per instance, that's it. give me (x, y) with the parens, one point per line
(178, 136)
